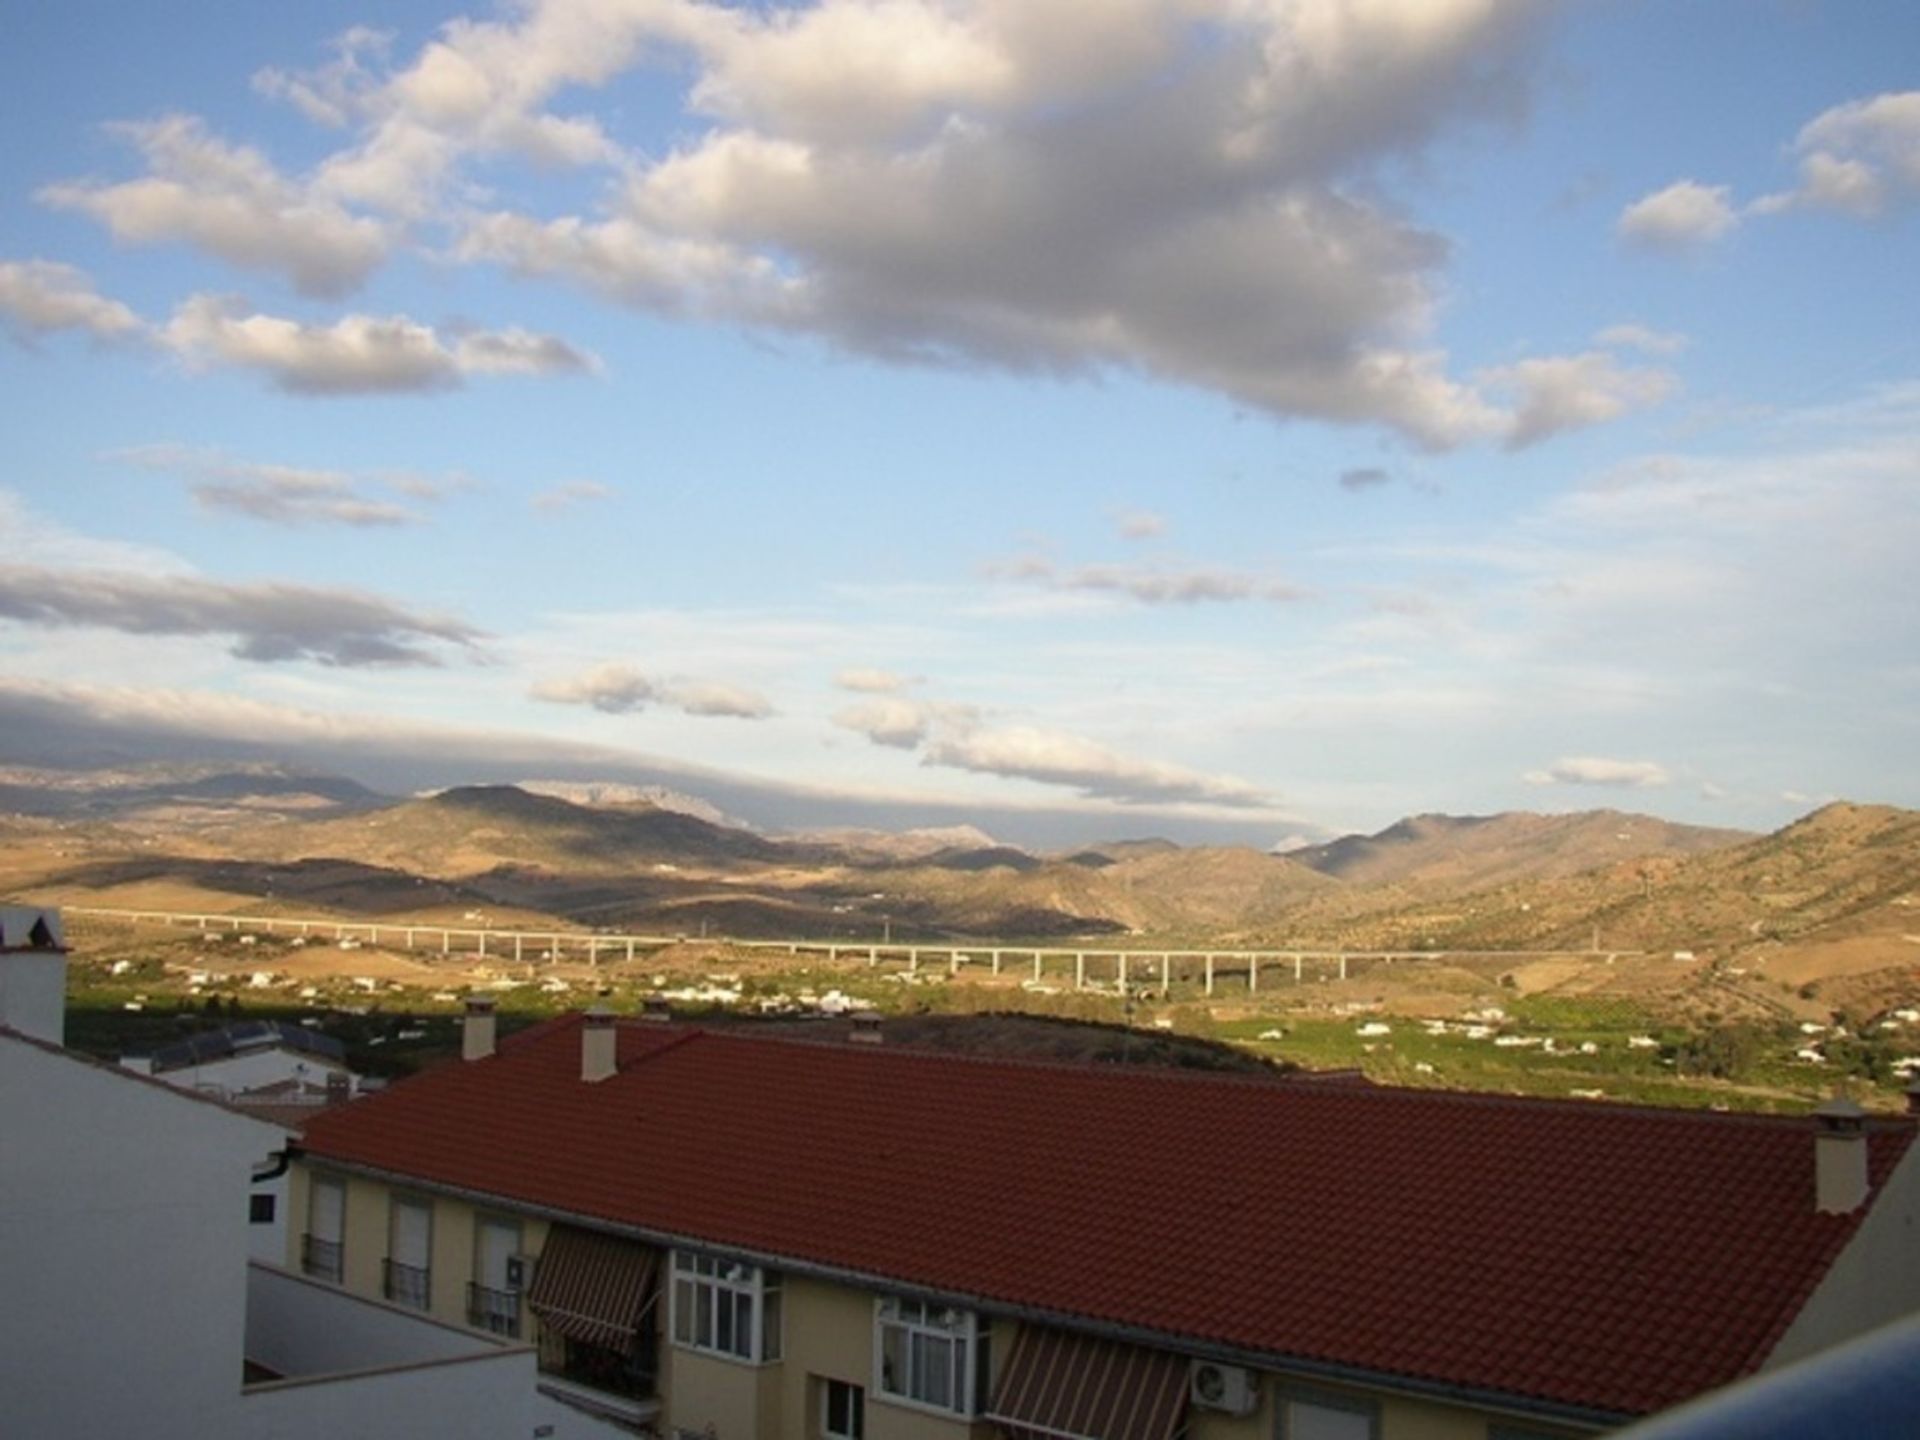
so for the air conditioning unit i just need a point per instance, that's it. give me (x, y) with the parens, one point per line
(519, 1272)
(1229, 1388)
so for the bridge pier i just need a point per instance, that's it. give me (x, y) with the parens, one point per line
(1209, 979)
(1079, 969)
(1123, 972)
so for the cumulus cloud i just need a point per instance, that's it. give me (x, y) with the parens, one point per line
(278, 494)
(38, 297)
(1148, 586)
(1857, 158)
(229, 201)
(614, 688)
(866, 680)
(1570, 392)
(267, 622)
(901, 724)
(357, 354)
(1683, 216)
(996, 185)
(1596, 770)
(1053, 757)
(571, 493)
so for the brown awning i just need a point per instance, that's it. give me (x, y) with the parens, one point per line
(592, 1288)
(1057, 1385)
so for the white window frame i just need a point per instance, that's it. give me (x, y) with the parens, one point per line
(857, 1402)
(726, 1283)
(917, 1319)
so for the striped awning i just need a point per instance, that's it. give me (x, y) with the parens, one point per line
(592, 1288)
(1057, 1385)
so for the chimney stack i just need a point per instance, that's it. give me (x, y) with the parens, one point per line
(866, 1028)
(339, 1087)
(657, 1009)
(597, 1046)
(33, 973)
(1839, 1157)
(477, 1029)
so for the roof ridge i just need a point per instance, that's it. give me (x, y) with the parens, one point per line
(1251, 1080)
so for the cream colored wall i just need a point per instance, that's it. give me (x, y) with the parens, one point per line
(829, 1334)
(366, 1238)
(707, 1390)
(1877, 1277)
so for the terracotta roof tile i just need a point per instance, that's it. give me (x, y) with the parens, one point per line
(1607, 1257)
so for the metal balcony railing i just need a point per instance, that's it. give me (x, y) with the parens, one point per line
(407, 1285)
(320, 1258)
(495, 1310)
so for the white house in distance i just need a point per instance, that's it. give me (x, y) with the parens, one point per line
(131, 1305)
(266, 1058)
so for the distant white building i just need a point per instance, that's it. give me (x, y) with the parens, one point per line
(131, 1305)
(251, 1056)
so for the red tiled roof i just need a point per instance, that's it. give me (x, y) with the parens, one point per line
(1609, 1258)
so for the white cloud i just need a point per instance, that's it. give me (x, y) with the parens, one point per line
(988, 184)
(229, 201)
(870, 681)
(1856, 158)
(1052, 757)
(571, 493)
(611, 688)
(708, 697)
(1570, 392)
(279, 494)
(357, 354)
(38, 297)
(1683, 216)
(268, 622)
(1140, 524)
(614, 688)
(1596, 770)
(1644, 338)
(1146, 585)
(901, 724)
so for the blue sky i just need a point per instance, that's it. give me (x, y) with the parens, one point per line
(1230, 419)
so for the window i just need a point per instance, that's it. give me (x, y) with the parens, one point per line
(726, 1307)
(409, 1252)
(493, 1300)
(1321, 1416)
(320, 1247)
(260, 1209)
(843, 1410)
(930, 1355)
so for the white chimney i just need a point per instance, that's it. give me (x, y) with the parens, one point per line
(33, 973)
(597, 1046)
(866, 1028)
(1839, 1157)
(477, 1029)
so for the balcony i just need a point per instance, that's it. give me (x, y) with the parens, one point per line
(324, 1362)
(497, 1311)
(320, 1258)
(408, 1285)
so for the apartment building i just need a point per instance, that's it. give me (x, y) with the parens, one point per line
(750, 1238)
